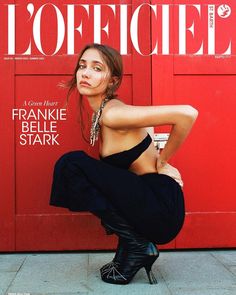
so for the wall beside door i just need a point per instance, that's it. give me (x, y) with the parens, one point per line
(207, 158)
(27, 222)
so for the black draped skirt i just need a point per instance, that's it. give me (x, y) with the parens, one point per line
(153, 203)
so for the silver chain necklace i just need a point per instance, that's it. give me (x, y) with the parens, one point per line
(95, 128)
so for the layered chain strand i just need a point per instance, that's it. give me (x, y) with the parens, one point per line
(95, 128)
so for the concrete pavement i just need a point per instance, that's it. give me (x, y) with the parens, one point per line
(210, 272)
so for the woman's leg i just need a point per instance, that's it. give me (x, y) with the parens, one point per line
(147, 202)
(120, 249)
(139, 251)
(124, 189)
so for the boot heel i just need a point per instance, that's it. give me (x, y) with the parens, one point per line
(151, 277)
(148, 268)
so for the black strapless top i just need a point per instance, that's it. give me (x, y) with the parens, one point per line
(125, 158)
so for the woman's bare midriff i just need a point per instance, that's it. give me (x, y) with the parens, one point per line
(146, 163)
(115, 141)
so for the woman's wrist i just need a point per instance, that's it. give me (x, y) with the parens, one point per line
(161, 162)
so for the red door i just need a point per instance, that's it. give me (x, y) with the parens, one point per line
(207, 158)
(27, 222)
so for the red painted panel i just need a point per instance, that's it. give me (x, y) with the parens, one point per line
(206, 158)
(208, 230)
(39, 226)
(7, 176)
(61, 231)
(207, 65)
(210, 148)
(7, 154)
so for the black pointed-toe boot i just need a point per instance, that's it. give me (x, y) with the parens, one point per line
(116, 261)
(120, 249)
(140, 252)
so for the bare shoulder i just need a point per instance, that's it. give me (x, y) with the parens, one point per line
(113, 103)
(115, 106)
(117, 115)
(109, 108)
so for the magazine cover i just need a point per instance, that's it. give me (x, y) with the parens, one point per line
(173, 53)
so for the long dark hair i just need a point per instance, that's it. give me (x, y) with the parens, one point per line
(113, 60)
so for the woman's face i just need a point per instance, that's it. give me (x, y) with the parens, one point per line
(93, 74)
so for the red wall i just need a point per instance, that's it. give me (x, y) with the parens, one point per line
(206, 160)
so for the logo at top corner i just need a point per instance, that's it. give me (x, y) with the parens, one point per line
(224, 10)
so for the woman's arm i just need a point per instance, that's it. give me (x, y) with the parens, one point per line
(118, 115)
(178, 133)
